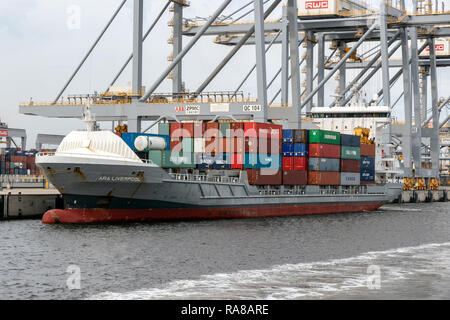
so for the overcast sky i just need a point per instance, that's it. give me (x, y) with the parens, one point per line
(41, 48)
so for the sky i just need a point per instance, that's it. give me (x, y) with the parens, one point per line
(42, 44)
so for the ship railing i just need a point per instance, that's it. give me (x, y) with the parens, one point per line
(203, 178)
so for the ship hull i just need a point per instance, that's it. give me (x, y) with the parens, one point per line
(75, 216)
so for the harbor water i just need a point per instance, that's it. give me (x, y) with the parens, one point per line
(396, 252)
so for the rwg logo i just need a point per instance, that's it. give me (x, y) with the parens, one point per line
(321, 4)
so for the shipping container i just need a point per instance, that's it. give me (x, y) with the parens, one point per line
(251, 145)
(212, 146)
(367, 150)
(301, 136)
(318, 150)
(188, 145)
(237, 129)
(264, 177)
(155, 156)
(176, 130)
(287, 149)
(324, 164)
(224, 128)
(367, 163)
(176, 145)
(288, 135)
(199, 145)
(295, 177)
(212, 130)
(367, 176)
(300, 163)
(287, 163)
(350, 179)
(237, 161)
(262, 130)
(324, 137)
(199, 129)
(350, 140)
(348, 165)
(300, 150)
(352, 153)
(324, 178)
(260, 161)
(177, 160)
(237, 145)
(188, 130)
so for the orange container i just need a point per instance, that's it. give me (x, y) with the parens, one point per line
(323, 178)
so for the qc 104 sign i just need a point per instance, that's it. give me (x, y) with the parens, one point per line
(251, 108)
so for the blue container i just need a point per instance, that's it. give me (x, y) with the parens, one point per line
(262, 161)
(367, 176)
(129, 138)
(367, 163)
(288, 135)
(287, 149)
(300, 150)
(350, 140)
(219, 161)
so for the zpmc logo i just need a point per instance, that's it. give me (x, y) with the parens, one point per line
(316, 4)
(439, 47)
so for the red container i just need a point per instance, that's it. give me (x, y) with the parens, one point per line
(212, 146)
(176, 145)
(237, 126)
(295, 177)
(176, 130)
(300, 163)
(320, 150)
(263, 130)
(237, 161)
(237, 145)
(367, 150)
(264, 177)
(225, 145)
(212, 130)
(199, 129)
(323, 178)
(350, 165)
(188, 130)
(367, 182)
(269, 146)
(288, 163)
(251, 145)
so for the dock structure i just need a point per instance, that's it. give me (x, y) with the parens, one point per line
(405, 38)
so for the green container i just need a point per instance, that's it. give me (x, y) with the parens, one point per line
(324, 137)
(188, 145)
(224, 128)
(351, 153)
(163, 128)
(177, 160)
(155, 156)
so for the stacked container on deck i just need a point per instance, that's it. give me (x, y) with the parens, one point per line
(367, 163)
(324, 157)
(16, 162)
(295, 157)
(350, 160)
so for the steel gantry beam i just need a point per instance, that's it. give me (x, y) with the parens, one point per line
(138, 18)
(261, 74)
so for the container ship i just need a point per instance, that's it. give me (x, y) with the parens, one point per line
(211, 170)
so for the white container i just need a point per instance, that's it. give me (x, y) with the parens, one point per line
(442, 48)
(350, 179)
(199, 145)
(310, 9)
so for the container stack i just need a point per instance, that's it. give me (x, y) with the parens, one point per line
(295, 157)
(350, 160)
(17, 162)
(324, 157)
(262, 147)
(367, 163)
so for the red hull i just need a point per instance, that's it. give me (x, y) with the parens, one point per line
(138, 215)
